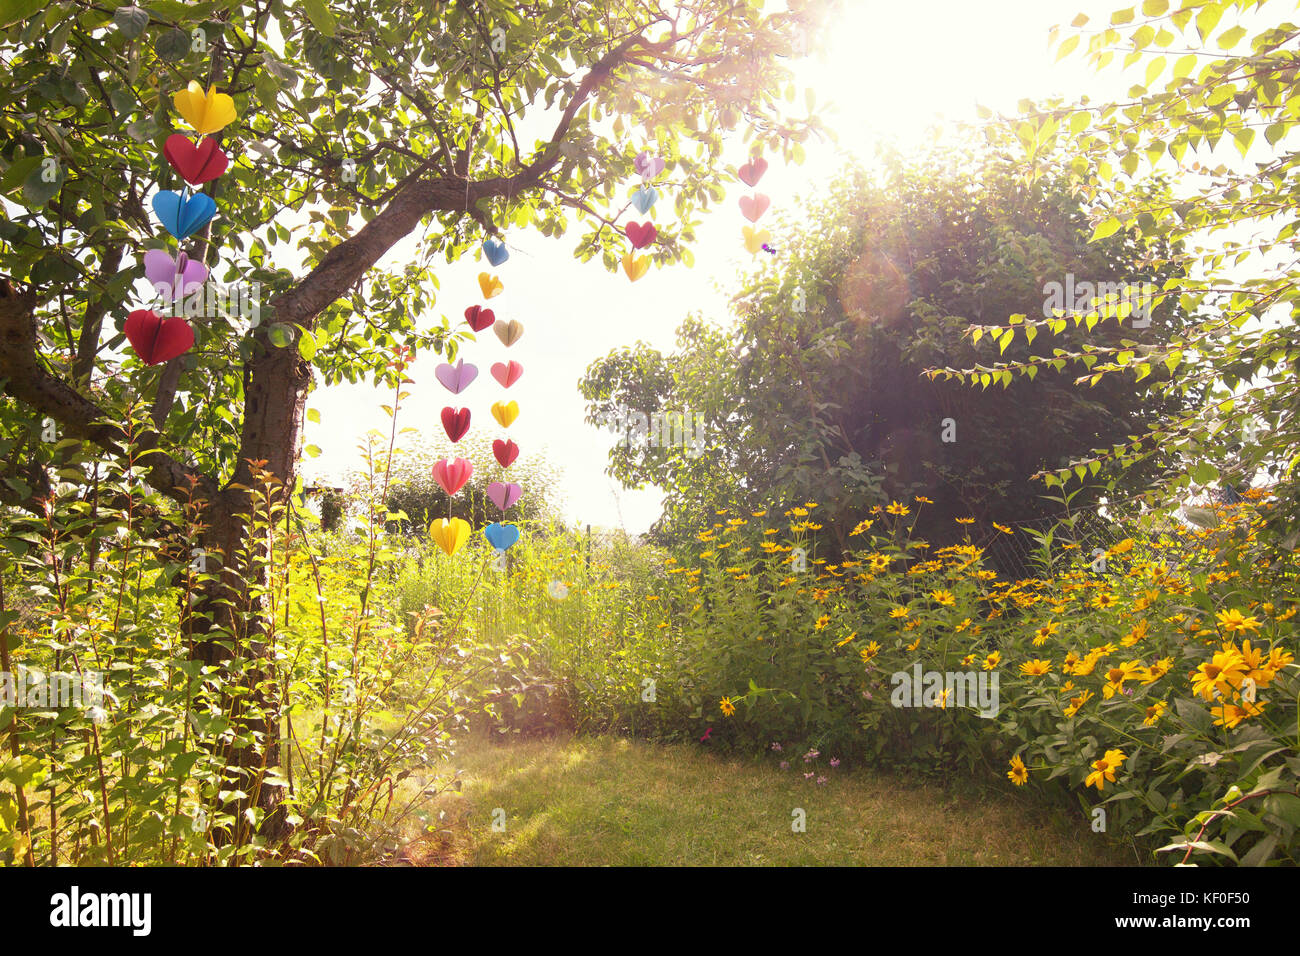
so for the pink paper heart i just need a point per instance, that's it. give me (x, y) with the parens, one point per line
(456, 378)
(452, 473)
(504, 494)
(163, 271)
(507, 373)
(752, 171)
(647, 166)
(754, 206)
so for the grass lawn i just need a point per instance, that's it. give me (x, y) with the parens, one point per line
(591, 801)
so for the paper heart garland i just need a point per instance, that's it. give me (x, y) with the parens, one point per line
(644, 198)
(506, 452)
(641, 234)
(752, 171)
(196, 164)
(491, 285)
(452, 473)
(504, 494)
(207, 113)
(162, 272)
(505, 412)
(456, 422)
(507, 373)
(449, 535)
(156, 340)
(501, 536)
(635, 267)
(456, 378)
(509, 332)
(754, 238)
(754, 206)
(180, 216)
(496, 251)
(479, 318)
(647, 166)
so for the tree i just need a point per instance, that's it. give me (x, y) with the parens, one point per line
(1214, 76)
(367, 121)
(818, 391)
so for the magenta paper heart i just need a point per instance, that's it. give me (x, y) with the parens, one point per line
(163, 271)
(507, 373)
(504, 494)
(752, 171)
(452, 473)
(456, 378)
(641, 234)
(647, 166)
(754, 206)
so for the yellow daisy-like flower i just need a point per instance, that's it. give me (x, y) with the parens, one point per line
(898, 612)
(862, 527)
(727, 707)
(1104, 769)
(1234, 621)
(962, 626)
(1104, 600)
(1154, 713)
(1138, 632)
(898, 509)
(1221, 673)
(914, 645)
(1042, 635)
(1157, 670)
(1003, 528)
(759, 514)
(1019, 773)
(965, 520)
(943, 597)
(922, 500)
(847, 639)
(1077, 702)
(1230, 715)
(992, 661)
(1116, 676)
(870, 651)
(1036, 668)
(879, 562)
(968, 660)
(823, 621)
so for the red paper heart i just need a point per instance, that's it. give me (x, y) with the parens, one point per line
(753, 171)
(456, 422)
(641, 234)
(507, 373)
(156, 340)
(506, 452)
(479, 318)
(196, 164)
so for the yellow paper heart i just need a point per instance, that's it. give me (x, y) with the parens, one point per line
(207, 113)
(754, 238)
(490, 285)
(635, 268)
(505, 413)
(449, 535)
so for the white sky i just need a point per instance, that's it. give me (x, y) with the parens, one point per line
(892, 71)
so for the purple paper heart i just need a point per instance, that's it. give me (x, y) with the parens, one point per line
(163, 271)
(648, 166)
(456, 378)
(503, 494)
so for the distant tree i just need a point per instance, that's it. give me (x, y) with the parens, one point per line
(818, 390)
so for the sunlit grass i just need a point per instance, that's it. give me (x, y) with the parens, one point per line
(594, 801)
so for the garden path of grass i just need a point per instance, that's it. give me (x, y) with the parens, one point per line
(604, 800)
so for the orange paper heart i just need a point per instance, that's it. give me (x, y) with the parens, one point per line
(505, 412)
(635, 268)
(490, 285)
(509, 332)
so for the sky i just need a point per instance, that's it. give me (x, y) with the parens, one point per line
(891, 72)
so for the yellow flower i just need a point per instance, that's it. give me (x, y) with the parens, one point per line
(1043, 633)
(1230, 715)
(1078, 702)
(968, 660)
(823, 621)
(943, 597)
(1138, 632)
(1157, 670)
(914, 645)
(1003, 528)
(862, 527)
(727, 707)
(1104, 600)
(1104, 769)
(847, 639)
(759, 514)
(992, 661)
(1116, 676)
(898, 509)
(1019, 773)
(1235, 621)
(1036, 668)
(1123, 547)
(965, 520)
(1221, 673)
(1154, 713)
(922, 500)
(962, 626)
(870, 651)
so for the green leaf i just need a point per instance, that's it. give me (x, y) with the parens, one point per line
(1107, 228)
(320, 16)
(38, 189)
(131, 20)
(173, 45)
(13, 11)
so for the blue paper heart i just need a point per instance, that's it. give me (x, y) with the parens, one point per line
(501, 536)
(644, 198)
(183, 217)
(496, 251)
